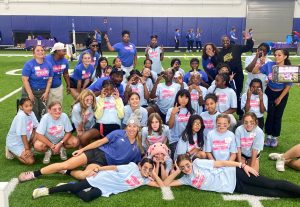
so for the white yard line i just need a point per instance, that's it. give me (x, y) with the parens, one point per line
(6, 188)
(10, 94)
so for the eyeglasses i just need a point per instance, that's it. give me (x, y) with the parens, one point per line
(94, 45)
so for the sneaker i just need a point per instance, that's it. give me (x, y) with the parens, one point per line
(268, 142)
(280, 164)
(63, 153)
(8, 154)
(274, 143)
(47, 156)
(26, 176)
(59, 184)
(274, 156)
(197, 50)
(39, 192)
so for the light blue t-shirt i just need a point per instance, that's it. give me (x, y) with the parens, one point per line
(126, 52)
(184, 146)
(226, 98)
(110, 113)
(249, 141)
(254, 104)
(94, 59)
(209, 121)
(205, 177)
(166, 96)
(22, 124)
(195, 99)
(139, 88)
(154, 55)
(149, 84)
(127, 177)
(154, 137)
(38, 74)
(181, 119)
(82, 73)
(59, 67)
(119, 150)
(53, 129)
(220, 145)
(77, 116)
(128, 111)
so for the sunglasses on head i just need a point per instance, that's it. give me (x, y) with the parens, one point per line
(94, 45)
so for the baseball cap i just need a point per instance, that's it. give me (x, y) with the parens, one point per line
(58, 46)
(134, 120)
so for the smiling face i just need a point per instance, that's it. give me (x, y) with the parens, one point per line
(103, 64)
(186, 167)
(249, 123)
(132, 130)
(220, 83)
(155, 124)
(134, 100)
(118, 63)
(194, 65)
(160, 157)
(153, 42)
(168, 75)
(146, 169)
(210, 106)
(27, 107)
(39, 52)
(279, 57)
(55, 111)
(88, 100)
(222, 124)
(86, 59)
(183, 100)
(225, 42)
(195, 79)
(196, 126)
(94, 46)
(147, 64)
(146, 72)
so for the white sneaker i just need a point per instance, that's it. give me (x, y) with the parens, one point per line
(280, 164)
(274, 156)
(39, 192)
(197, 50)
(47, 156)
(8, 154)
(63, 153)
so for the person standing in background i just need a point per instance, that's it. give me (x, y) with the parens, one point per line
(233, 37)
(198, 39)
(99, 40)
(177, 38)
(156, 54)
(190, 38)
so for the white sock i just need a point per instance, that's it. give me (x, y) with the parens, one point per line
(167, 194)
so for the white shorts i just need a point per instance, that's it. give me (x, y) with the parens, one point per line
(56, 94)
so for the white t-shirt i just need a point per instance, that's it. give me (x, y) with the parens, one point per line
(195, 99)
(77, 116)
(254, 104)
(139, 88)
(166, 96)
(226, 98)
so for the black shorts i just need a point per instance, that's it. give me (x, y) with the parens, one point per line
(96, 156)
(248, 158)
(73, 83)
(106, 128)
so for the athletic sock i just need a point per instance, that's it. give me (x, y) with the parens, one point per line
(68, 172)
(37, 173)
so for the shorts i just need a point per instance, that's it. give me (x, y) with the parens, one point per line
(56, 94)
(248, 158)
(96, 156)
(105, 129)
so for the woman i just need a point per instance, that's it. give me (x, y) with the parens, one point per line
(126, 51)
(209, 61)
(117, 148)
(228, 177)
(37, 75)
(277, 93)
(93, 47)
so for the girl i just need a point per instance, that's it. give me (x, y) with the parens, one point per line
(135, 107)
(82, 75)
(228, 177)
(109, 112)
(178, 78)
(178, 116)
(159, 153)
(117, 148)
(165, 94)
(117, 63)
(148, 64)
(99, 72)
(220, 143)
(137, 84)
(108, 180)
(277, 94)
(224, 68)
(83, 110)
(54, 133)
(210, 115)
(194, 63)
(37, 75)
(192, 141)
(227, 101)
(209, 61)
(155, 131)
(255, 100)
(197, 92)
(107, 71)
(21, 133)
(249, 141)
(92, 50)
(148, 78)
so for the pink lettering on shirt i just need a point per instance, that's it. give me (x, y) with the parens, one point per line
(210, 66)
(55, 130)
(153, 54)
(85, 75)
(155, 139)
(129, 47)
(58, 68)
(29, 126)
(198, 181)
(109, 105)
(194, 96)
(183, 117)
(254, 103)
(209, 123)
(219, 145)
(135, 89)
(43, 72)
(133, 181)
(167, 93)
(246, 142)
(222, 98)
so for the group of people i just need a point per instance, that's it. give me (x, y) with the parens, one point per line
(191, 38)
(169, 121)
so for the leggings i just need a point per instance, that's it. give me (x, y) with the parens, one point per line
(263, 186)
(81, 189)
